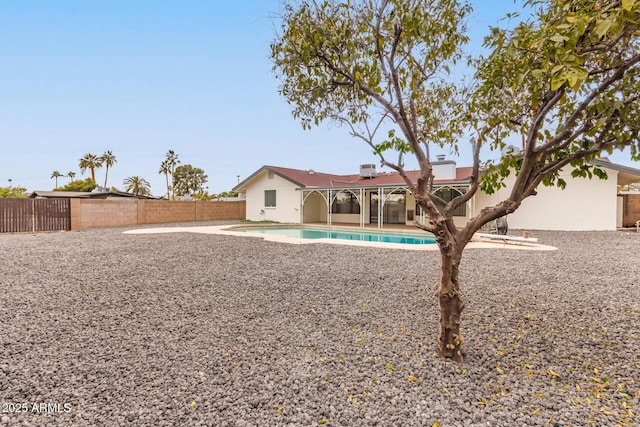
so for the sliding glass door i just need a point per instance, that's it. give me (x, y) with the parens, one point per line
(395, 208)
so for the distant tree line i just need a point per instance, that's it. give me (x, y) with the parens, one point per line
(181, 180)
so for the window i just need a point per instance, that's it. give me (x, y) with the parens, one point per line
(269, 198)
(345, 203)
(448, 194)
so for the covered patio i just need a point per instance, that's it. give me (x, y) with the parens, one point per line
(373, 206)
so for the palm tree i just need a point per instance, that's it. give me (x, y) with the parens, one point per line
(172, 159)
(71, 175)
(165, 168)
(55, 175)
(136, 185)
(91, 162)
(108, 159)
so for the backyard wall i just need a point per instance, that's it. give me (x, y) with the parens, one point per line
(87, 213)
(631, 209)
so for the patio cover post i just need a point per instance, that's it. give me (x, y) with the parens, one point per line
(380, 206)
(329, 204)
(362, 207)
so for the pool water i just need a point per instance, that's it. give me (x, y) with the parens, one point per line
(345, 234)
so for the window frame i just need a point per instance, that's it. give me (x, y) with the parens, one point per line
(267, 199)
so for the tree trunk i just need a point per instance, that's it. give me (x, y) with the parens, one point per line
(451, 305)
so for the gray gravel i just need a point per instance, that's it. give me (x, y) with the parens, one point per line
(102, 328)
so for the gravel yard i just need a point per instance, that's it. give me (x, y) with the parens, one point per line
(103, 328)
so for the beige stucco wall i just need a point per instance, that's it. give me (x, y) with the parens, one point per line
(585, 204)
(315, 208)
(287, 208)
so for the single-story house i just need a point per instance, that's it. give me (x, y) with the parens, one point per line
(370, 197)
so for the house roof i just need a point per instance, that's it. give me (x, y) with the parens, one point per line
(319, 180)
(312, 179)
(626, 174)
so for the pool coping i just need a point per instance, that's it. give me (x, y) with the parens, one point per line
(476, 243)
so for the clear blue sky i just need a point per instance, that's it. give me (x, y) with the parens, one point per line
(142, 77)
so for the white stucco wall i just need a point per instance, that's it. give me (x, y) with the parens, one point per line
(287, 200)
(585, 204)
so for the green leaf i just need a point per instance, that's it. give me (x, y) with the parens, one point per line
(628, 4)
(391, 367)
(575, 76)
(537, 74)
(559, 38)
(603, 27)
(558, 80)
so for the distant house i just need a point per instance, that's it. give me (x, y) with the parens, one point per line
(370, 197)
(86, 195)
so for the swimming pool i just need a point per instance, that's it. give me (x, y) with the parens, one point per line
(302, 232)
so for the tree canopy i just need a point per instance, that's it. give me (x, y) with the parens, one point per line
(91, 162)
(137, 185)
(13, 193)
(86, 185)
(189, 180)
(565, 79)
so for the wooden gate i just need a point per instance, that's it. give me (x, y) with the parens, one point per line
(31, 215)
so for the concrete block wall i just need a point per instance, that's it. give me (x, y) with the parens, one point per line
(160, 211)
(88, 213)
(631, 203)
(103, 213)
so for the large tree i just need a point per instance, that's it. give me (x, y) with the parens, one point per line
(137, 185)
(566, 78)
(189, 180)
(55, 175)
(165, 168)
(91, 162)
(108, 159)
(172, 160)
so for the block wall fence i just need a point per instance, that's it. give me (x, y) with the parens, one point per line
(87, 213)
(631, 209)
